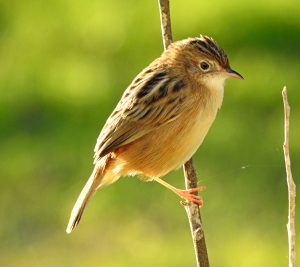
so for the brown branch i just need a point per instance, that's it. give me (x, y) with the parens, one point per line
(165, 22)
(194, 217)
(290, 183)
(192, 209)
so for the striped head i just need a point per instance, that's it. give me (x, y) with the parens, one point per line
(202, 57)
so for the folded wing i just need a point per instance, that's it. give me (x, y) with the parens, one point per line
(153, 99)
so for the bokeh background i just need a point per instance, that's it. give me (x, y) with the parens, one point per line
(64, 65)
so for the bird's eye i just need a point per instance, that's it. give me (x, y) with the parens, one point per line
(204, 66)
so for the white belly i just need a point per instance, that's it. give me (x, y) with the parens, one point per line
(199, 127)
(194, 138)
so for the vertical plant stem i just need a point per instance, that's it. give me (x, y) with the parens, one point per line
(193, 211)
(290, 183)
(165, 22)
(194, 217)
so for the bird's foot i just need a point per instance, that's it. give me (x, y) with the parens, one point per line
(189, 196)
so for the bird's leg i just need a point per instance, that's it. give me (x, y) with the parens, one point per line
(185, 194)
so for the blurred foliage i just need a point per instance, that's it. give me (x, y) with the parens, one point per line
(64, 65)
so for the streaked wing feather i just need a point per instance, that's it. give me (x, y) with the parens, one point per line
(144, 106)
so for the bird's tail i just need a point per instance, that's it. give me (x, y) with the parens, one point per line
(96, 180)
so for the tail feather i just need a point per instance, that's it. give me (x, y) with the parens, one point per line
(95, 181)
(86, 194)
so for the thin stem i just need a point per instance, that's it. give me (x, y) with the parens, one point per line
(194, 217)
(290, 182)
(165, 22)
(192, 209)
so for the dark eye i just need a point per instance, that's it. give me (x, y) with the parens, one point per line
(204, 65)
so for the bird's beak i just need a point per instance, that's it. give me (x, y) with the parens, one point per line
(234, 74)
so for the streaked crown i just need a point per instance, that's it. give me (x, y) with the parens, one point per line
(209, 47)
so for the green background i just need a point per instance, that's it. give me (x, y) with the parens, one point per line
(63, 67)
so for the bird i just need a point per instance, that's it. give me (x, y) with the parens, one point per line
(161, 119)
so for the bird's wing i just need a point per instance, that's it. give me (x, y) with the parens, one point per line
(153, 99)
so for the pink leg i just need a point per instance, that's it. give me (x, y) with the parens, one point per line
(185, 194)
(189, 196)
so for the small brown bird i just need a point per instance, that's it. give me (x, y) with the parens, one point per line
(161, 119)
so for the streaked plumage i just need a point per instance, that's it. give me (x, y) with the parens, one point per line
(162, 117)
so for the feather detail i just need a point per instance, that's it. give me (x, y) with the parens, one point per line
(147, 108)
(155, 96)
(98, 178)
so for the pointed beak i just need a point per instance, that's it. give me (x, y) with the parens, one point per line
(234, 74)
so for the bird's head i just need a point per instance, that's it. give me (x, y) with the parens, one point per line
(203, 59)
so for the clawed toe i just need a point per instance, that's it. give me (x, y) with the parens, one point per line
(189, 196)
(195, 189)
